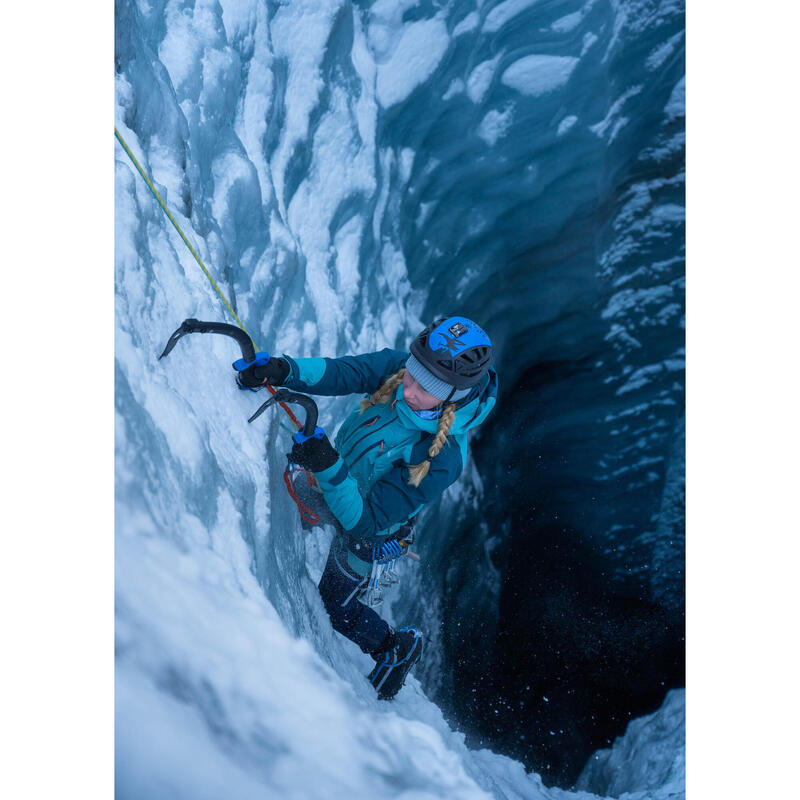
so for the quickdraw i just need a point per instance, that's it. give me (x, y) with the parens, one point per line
(383, 574)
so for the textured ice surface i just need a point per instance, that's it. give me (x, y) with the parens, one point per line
(412, 61)
(495, 125)
(650, 757)
(566, 124)
(481, 78)
(539, 74)
(505, 12)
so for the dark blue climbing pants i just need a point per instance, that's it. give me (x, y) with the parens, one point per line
(339, 586)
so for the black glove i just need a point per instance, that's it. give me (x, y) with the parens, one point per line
(314, 454)
(274, 372)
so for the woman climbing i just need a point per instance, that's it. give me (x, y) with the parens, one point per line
(403, 445)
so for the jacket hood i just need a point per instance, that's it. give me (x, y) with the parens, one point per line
(467, 417)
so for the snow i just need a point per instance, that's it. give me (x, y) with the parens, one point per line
(660, 54)
(536, 75)
(566, 124)
(495, 125)
(588, 40)
(676, 105)
(504, 12)
(456, 87)
(421, 47)
(467, 25)
(567, 23)
(613, 119)
(209, 690)
(650, 756)
(481, 77)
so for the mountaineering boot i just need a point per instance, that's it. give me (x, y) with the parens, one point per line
(394, 659)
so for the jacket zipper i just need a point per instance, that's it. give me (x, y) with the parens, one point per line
(365, 451)
(368, 433)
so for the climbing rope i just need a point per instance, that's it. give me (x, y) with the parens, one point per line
(197, 258)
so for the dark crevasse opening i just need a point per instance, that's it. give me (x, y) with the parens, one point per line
(583, 629)
(581, 643)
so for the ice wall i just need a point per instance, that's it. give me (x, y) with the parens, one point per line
(292, 143)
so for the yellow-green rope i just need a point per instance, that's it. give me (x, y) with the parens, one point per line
(178, 228)
(197, 258)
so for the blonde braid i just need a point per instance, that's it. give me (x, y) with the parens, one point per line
(419, 471)
(385, 393)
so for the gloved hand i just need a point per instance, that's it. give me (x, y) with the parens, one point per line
(274, 372)
(314, 454)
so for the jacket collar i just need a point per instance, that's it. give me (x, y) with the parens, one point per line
(467, 417)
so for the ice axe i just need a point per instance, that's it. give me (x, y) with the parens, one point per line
(309, 430)
(249, 355)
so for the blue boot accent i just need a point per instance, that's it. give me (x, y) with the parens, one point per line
(394, 661)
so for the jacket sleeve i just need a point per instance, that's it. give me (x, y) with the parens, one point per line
(391, 499)
(347, 375)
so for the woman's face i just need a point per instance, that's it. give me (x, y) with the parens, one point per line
(416, 397)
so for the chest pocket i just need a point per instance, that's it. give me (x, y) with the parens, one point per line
(371, 442)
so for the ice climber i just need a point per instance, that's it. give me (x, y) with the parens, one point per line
(398, 450)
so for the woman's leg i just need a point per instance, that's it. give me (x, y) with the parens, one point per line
(340, 587)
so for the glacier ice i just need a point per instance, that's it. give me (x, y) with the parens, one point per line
(265, 129)
(539, 74)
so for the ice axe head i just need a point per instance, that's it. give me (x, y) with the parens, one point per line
(309, 429)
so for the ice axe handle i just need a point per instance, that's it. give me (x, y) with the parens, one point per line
(241, 364)
(301, 437)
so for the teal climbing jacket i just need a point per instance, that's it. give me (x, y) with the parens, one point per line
(368, 488)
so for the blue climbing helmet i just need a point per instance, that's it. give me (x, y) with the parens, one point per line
(454, 351)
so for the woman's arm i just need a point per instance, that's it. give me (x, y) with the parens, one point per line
(391, 499)
(347, 375)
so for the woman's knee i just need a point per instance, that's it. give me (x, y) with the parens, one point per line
(330, 593)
